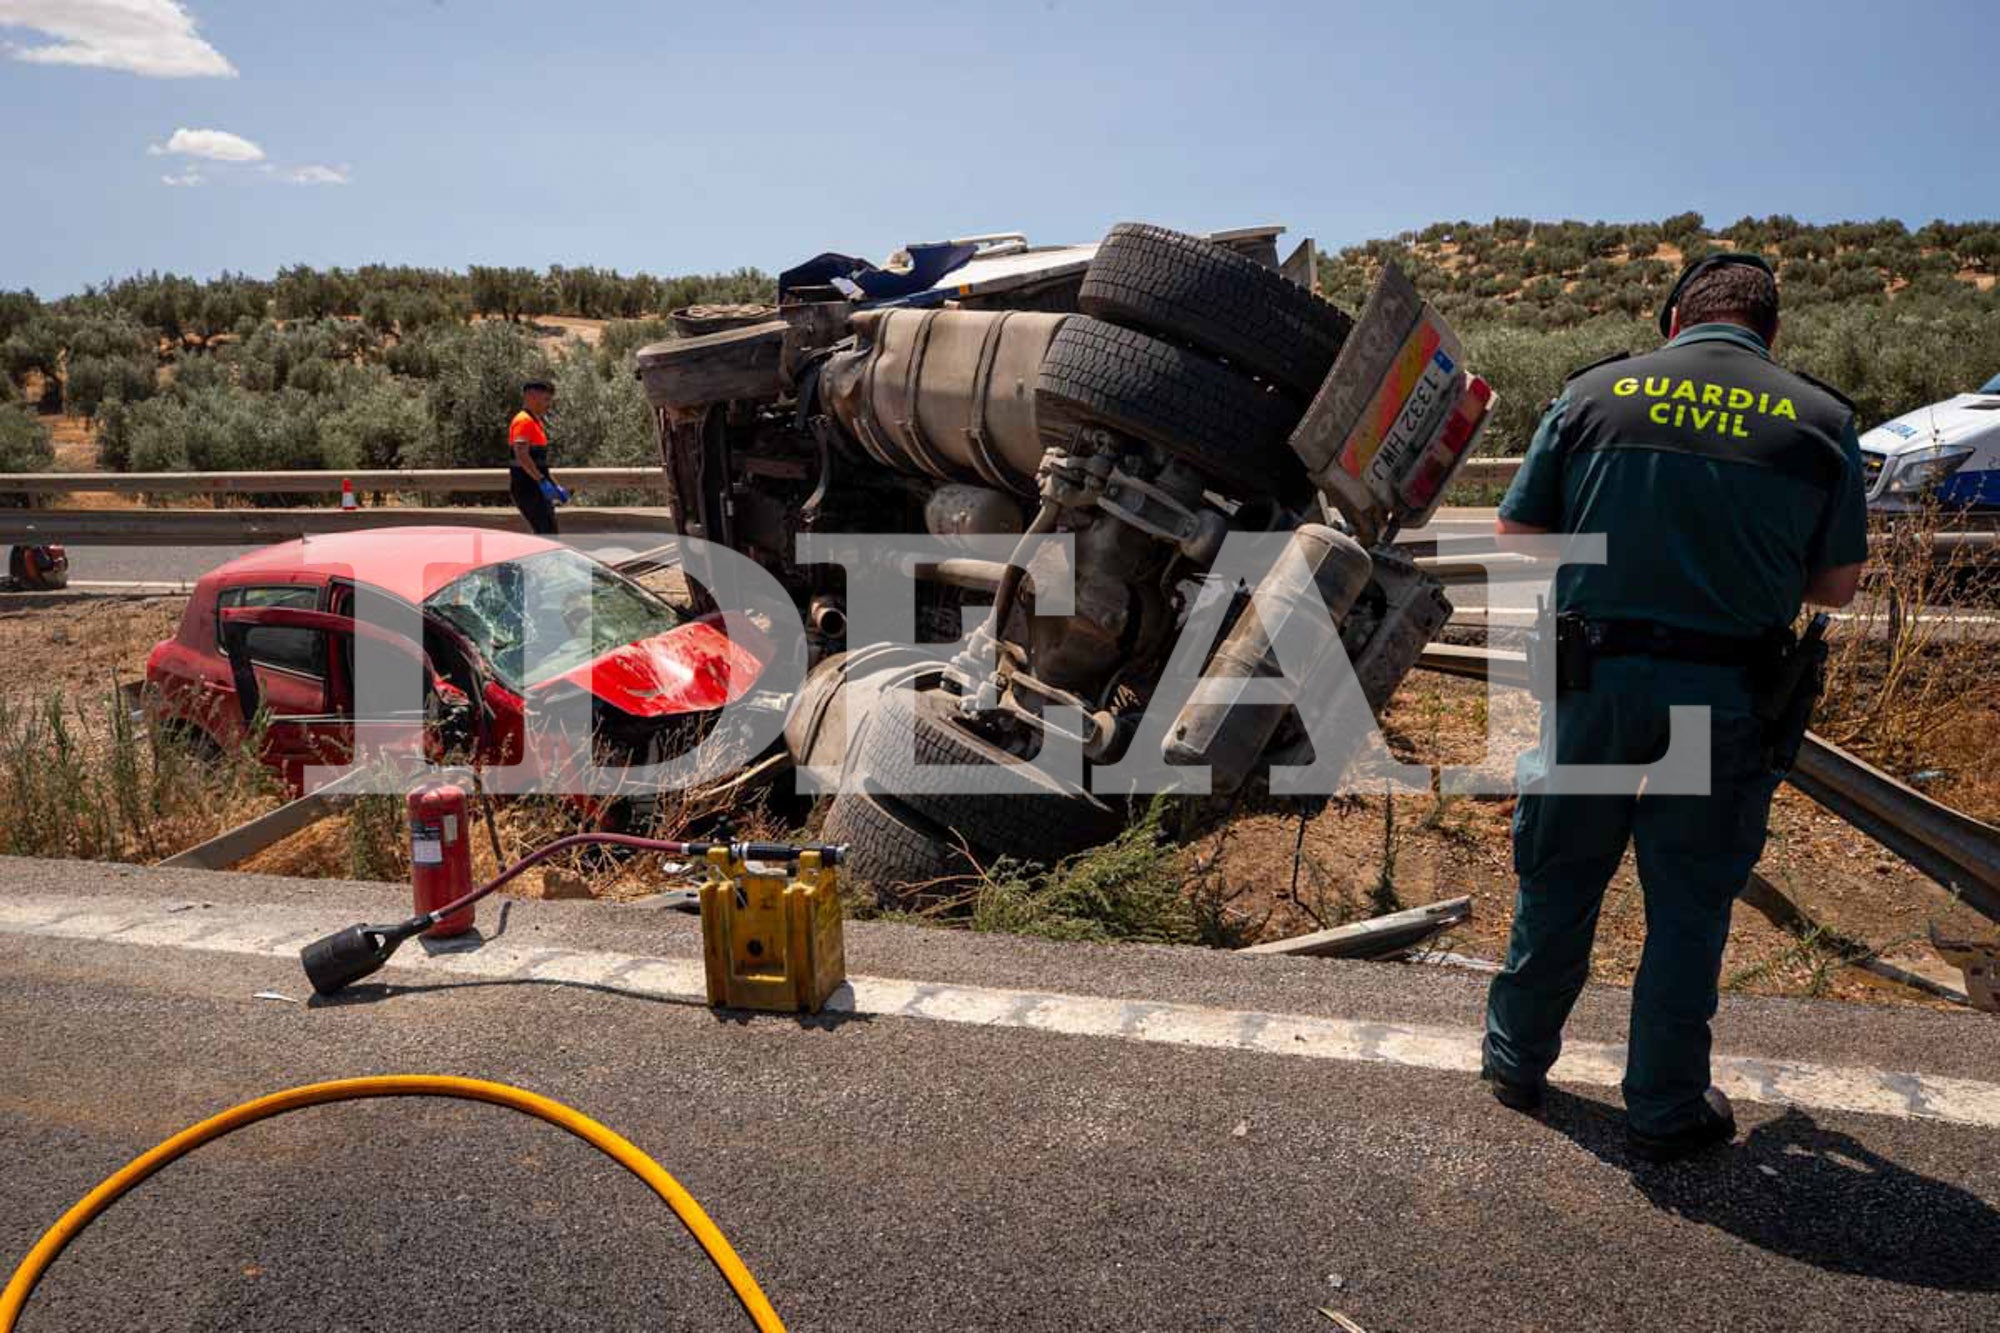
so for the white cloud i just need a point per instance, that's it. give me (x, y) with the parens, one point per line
(215, 145)
(318, 175)
(188, 177)
(155, 38)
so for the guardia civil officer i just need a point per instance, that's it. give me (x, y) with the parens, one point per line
(1729, 492)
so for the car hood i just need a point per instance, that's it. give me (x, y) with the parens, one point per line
(691, 668)
(1959, 420)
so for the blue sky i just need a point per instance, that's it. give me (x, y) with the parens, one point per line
(687, 137)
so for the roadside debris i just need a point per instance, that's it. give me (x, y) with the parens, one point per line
(1980, 961)
(1767, 898)
(1379, 937)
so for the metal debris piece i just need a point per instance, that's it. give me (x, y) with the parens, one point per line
(1980, 961)
(1379, 937)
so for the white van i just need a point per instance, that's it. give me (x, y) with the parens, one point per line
(1950, 450)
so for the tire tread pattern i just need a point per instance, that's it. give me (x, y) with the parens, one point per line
(1035, 818)
(1182, 287)
(1234, 430)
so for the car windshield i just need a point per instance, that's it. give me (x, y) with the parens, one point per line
(1991, 386)
(536, 618)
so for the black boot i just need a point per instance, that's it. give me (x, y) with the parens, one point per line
(1513, 1094)
(1714, 1123)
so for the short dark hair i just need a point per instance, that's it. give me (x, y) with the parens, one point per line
(533, 385)
(1733, 293)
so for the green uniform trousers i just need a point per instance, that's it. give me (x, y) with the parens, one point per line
(1694, 855)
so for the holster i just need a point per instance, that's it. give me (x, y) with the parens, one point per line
(1574, 651)
(1787, 689)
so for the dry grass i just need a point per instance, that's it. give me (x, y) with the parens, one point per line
(84, 781)
(1909, 685)
(79, 647)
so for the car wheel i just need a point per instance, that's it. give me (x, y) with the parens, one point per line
(1230, 428)
(1190, 290)
(1021, 812)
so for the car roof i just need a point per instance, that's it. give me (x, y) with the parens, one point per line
(412, 562)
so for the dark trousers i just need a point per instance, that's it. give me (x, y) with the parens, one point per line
(1694, 854)
(534, 506)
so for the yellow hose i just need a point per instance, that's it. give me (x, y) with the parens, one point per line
(605, 1140)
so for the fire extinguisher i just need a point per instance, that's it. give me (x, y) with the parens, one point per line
(441, 853)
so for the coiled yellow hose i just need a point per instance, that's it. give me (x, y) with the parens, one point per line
(605, 1140)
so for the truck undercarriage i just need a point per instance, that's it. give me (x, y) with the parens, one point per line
(1141, 403)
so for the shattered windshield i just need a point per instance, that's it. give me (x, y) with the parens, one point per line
(539, 617)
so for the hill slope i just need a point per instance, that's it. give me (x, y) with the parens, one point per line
(1895, 318)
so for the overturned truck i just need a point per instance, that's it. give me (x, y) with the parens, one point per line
(1139, 401)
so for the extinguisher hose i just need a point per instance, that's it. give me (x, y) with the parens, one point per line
(604, 1139)
(742, 851)
(346, 956)
(540, 854)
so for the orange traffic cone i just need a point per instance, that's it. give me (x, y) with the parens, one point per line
(347, 500)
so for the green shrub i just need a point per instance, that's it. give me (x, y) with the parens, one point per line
(509, 292)
(24, 441)
(475, 392)
(17, 310)
(600, 420)
(1892, 356)
(1527, 367)
(382, 425)
(220, 430)
(622, 337)
(1682, 227)
(93, 380)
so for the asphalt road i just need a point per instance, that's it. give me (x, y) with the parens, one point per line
(882, 1171)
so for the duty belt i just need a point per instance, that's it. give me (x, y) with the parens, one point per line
(1648, 638)
(1580, 640)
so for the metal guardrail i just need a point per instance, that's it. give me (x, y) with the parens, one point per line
(239, 527)
(407, 481)
(1956, 850)
(417, 480)
(1959, 852)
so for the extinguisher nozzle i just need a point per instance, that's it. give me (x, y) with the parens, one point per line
(339, 960)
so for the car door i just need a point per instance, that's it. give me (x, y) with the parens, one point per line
(288, 666)
(329, 735)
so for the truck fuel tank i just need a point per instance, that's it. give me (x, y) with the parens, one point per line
(948, 394)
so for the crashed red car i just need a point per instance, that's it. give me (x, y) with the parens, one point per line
(277, 628)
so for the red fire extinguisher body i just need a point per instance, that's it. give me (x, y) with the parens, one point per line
(441, 853)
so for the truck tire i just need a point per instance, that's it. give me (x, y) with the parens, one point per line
(901, 864)
(1033, 817)
(1190, 290)
(1227, 426)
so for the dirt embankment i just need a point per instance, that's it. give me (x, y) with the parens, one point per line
(1371, 853)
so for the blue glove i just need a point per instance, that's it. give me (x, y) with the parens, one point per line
(553, 493)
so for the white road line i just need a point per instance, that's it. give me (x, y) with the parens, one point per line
(277, 932)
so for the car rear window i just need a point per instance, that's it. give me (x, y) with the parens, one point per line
(301, 651)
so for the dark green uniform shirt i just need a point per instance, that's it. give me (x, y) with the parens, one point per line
(1722, 483)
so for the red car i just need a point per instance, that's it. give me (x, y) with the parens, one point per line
(278, 627)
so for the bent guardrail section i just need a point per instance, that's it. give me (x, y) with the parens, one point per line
(1959, 852)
